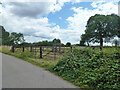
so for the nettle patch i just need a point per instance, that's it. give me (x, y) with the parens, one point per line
(91, 69)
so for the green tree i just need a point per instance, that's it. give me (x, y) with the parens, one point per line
(84, 39)
(118, 32)
(4, 36)
(68, 44)
(100, 27)
(16, 38)
(56, 41)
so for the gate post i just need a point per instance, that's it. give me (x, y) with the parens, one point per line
(60, 48)
(71, 48)
(40, 52)
(23, 49)
(13, 49)
(31, 49)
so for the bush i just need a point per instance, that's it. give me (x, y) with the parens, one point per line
(91, 69)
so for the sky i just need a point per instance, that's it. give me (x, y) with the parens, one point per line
(48, 19)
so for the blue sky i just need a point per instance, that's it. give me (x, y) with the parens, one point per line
(60, 17)
(46, 20)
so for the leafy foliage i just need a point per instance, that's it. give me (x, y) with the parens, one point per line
(10, 39)
(43, 43)
(84, 38)
(100, 27)
(58, 41)
(16, 38)
(68, 44)
(91, 69)
(4, 36)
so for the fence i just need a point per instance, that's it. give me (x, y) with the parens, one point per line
(43, 52)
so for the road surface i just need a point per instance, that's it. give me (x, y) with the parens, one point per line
(20, 74)
(0, 70)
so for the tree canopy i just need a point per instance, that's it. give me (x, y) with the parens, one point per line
(68, 44)
(58, 41)
(16, 38)
(10, 39)
(44, 43)
(4, 36)
(100, 27)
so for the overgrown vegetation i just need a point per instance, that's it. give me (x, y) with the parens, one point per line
(84, 67)
(89, 68)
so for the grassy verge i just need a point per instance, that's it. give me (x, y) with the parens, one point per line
(29, 57)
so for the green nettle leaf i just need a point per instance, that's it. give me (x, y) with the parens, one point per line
(91, 69)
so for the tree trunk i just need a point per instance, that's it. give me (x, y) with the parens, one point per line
(88, 43)
(101, 38)
(101, 42)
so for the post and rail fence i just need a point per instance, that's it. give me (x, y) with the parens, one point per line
(42, 51)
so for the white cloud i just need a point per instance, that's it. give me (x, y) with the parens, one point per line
(30, 8)
(38, 29)
(55, 7)
(66, 35)
(78, 21)
(30, 27)
(0, 15)
(33, 9)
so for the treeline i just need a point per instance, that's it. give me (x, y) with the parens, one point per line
(10, 38)
(42, 43)
(54, 42)
(17, 39)
(4, 36)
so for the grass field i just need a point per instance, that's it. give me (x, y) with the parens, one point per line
(87, 68)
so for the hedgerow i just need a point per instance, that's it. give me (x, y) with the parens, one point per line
(91, 69)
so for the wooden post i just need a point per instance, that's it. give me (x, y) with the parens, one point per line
(71, 48)
(40, 52)
(13, 49)
(59, 48)
(31, 49)
(23, 49)
(35, 52)
(54, 53)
